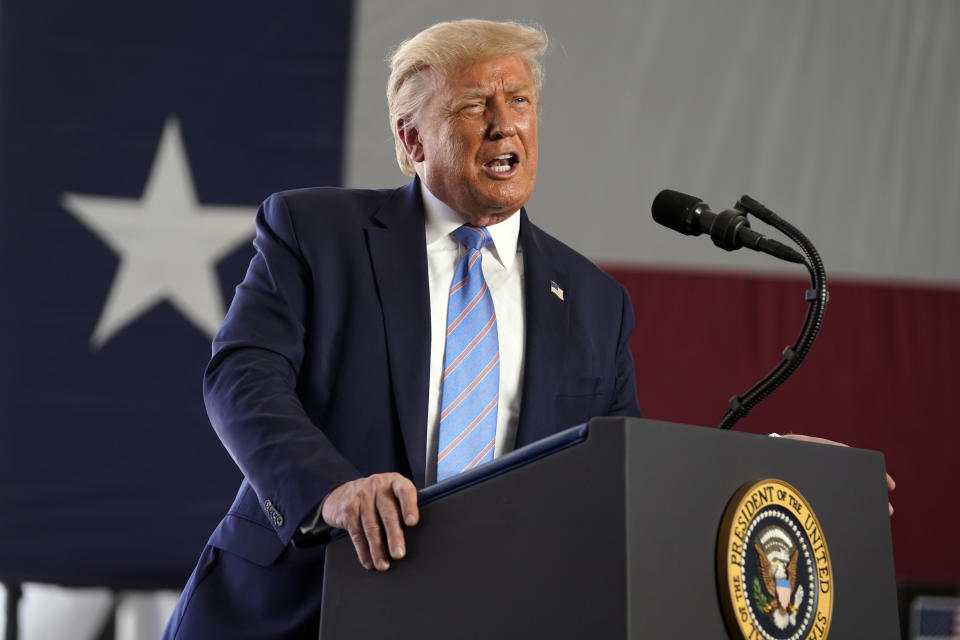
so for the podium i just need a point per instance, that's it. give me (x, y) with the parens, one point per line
(610, 530)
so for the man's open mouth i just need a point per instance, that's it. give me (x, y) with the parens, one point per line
(503, 163)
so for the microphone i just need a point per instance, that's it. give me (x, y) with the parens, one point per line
(728, 229)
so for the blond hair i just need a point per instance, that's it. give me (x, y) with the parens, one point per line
(420, 63)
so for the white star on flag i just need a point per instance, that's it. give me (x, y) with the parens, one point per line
(168, 243)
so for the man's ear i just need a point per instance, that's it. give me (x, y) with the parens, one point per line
(410, 137)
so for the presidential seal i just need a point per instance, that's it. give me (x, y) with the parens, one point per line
(773, 565)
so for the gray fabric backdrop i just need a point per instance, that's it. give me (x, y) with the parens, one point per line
(844, 117)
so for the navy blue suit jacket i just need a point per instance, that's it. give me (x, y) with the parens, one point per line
(320, 371)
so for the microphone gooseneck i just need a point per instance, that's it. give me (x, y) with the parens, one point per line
(730, 230)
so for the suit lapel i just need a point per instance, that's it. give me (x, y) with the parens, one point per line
(399, 256)
(547, 318)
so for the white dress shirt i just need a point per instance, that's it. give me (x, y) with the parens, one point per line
(503, 271)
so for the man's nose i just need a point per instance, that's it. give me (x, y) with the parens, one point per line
(502, 122)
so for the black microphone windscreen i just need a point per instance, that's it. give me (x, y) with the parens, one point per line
(672, 208)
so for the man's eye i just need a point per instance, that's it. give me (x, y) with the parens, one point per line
(473, 106)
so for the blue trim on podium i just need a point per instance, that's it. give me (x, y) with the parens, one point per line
(508, 462)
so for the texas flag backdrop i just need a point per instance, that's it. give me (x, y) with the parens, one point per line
(137, 140)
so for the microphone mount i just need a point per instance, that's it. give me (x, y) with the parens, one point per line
(730, 230)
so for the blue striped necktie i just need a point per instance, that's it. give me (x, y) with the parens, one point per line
(471, 364)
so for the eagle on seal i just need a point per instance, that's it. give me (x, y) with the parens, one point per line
(778, 580)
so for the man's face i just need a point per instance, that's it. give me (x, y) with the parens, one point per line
(475, 144)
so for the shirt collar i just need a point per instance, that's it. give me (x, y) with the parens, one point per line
(442, 221)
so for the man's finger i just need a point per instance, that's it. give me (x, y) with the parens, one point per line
(372, 530)
(360, 544)
(813, 439)
(390, 516)
(406, 494)
(891, 485)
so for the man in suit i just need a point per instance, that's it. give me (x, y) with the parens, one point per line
(333, 378)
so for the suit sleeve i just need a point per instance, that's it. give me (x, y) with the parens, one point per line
(624, 401)
(250, 383)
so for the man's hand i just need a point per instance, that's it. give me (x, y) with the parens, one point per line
(370, 507)
(891, 485)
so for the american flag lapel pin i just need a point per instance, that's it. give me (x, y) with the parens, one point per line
(556, 290)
